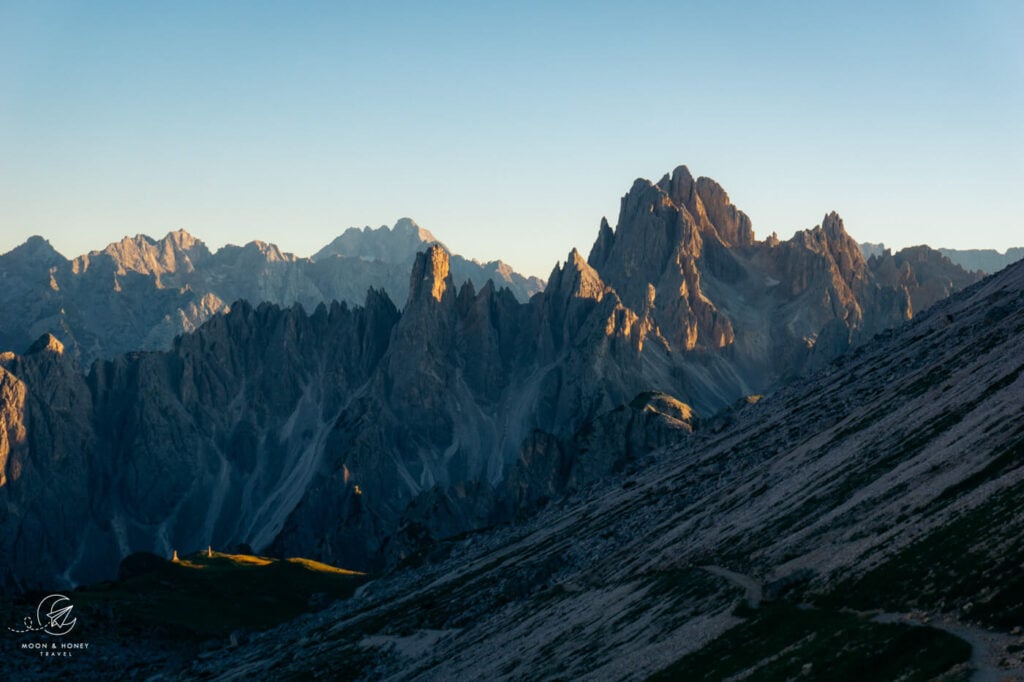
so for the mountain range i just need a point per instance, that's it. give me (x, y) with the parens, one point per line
(863, 523)
(139, 293)
(361, 435)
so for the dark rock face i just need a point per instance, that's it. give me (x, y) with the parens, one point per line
(357, 435)
(139, 293)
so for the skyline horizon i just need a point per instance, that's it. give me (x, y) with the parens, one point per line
(214, 246)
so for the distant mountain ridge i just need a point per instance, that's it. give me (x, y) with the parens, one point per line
(360, 434)
(984, 260)
(139, 293)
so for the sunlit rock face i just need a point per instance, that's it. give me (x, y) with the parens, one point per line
(357, 434)
(139, 293)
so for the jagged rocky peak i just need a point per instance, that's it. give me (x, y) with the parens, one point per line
(47, 343)
(708, 206)
(431, 276)
(840, 244)
(667, 222)
(397, 244)
(654, 257)
(575, 279)
(651, 229)
(182, 240)
(828, 241)
(925, 273)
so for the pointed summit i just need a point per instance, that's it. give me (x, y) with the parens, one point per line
(679, 186)
(182, 240)
(409, 227)
(831, 238)
(833, 226)
(576, 279)
(602, 246)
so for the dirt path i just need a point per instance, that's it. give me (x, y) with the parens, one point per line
(989, 657)
(751, 587)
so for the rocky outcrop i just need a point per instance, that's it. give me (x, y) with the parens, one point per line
(925, 274)
(682, 253)
(140, 293)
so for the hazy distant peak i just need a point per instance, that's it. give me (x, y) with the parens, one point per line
(410, 227)
(986, 260)
(971, 260)
(270, 252)
(398, 244)
(176, 251)
(182, 240)
(37, 250)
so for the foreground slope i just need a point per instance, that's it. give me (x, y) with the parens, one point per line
(893, 480)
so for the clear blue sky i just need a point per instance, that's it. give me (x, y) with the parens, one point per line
(508, 129)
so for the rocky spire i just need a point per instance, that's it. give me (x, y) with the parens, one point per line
(603, 246)
(576, 279)
(431, 277)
